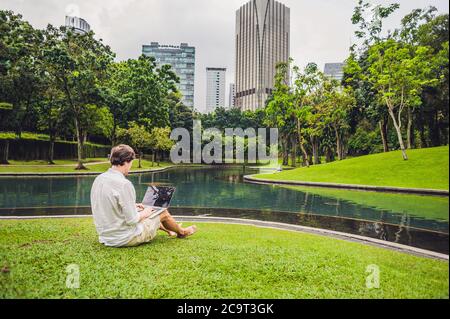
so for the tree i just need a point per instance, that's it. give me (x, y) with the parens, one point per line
(399, 72)
(279, 108)
(305, 84)
(77, 63)
(19, 68)
(339, 104)
(96, 120)
(160, 141)
(369, 21)
(433, 118)
(50, 111)
(138, 137)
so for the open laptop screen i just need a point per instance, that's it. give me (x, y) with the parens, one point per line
(158, 196)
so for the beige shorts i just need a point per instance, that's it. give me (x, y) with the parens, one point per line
(149, 232)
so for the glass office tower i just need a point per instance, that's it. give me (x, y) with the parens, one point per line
(182, 60)
(262, 41)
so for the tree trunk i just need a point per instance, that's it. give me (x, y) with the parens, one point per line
(327, 156)
(51, 151)
(114, 133)
(384, 134)
(433, 125)
(153, 158)
(315, 150)
(80, 165)
(338, 144)
(302, 146)
(5, 153)
(285, 151)
(421, 127)
(398, 129)
(294, 151)
(409, 130)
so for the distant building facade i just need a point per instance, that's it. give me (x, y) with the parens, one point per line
(334, 71)
(182, 60)
(232, 95)
(262, 40)
(215, 88)
(79, 25)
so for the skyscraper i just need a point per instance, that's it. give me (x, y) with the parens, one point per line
(262, 41)
(334, 71)
(231, 98)
(79, 25)
(182, 60)
(215, 88)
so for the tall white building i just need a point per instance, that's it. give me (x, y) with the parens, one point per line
(79, 25)
(262, 41)
(215, 88)
(232, 95)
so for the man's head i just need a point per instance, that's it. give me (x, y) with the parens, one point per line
(122, 157)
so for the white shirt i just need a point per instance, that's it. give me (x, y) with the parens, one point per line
(113, 201)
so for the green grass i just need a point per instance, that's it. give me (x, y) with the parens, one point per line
(431, 207)
(95, 168)
(5, 106)
(426, 168)
(57, 162)
(221, 261)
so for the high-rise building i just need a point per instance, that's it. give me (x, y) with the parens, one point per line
(182, 60)
(79, 25)
(215, 88)
(334, 71)
(262, 41)
(231, 98)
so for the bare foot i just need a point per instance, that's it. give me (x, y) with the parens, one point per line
(188, 232)
(173, 234)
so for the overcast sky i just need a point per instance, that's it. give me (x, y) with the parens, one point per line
(321, 30)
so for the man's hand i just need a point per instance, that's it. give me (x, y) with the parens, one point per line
(140, 207)
(146, 213)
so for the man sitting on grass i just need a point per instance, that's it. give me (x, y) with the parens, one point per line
(119, 221)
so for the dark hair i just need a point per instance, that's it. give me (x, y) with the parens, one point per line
(122, 154)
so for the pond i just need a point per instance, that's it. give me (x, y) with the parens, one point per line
(419, 221)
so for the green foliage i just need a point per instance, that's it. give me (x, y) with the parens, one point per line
(364, 142)
(136, 135)
(160, 139)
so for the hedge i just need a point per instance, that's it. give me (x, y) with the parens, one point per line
(26, 150)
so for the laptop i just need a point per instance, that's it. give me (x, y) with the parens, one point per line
(158, 198)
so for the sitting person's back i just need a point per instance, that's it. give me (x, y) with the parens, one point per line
(113, 201)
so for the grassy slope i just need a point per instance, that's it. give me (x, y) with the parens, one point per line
(426, 168)
(432, 207)
(221, 261)
(96, 168)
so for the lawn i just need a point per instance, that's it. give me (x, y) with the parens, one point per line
(221, 261)
(426, 168)
(62, 167)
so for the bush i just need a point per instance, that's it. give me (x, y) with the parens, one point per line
(365, 142)
(29, 149)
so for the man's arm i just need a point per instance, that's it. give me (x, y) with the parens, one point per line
(127, 201)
